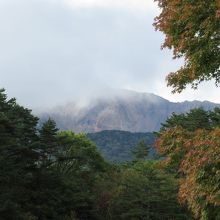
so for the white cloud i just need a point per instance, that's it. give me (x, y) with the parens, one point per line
(143, 5)
(50, 54)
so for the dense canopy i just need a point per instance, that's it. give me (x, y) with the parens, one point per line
(190, 146)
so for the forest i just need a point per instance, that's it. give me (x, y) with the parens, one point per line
(49, 174)
(117, 146)
(52, 174)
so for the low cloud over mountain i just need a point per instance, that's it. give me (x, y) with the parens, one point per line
(121, 110)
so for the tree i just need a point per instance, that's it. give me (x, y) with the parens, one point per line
(145, 192)
(192, 120)
(141, 150)
(48, 133)
(80, 165)
(32, 163)
(192, 30)
(48, 142)
(215, 117)
(192, 154)
(18, 157)
(200, 188)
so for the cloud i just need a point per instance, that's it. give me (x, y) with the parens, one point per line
(133, 5)
(51, 53)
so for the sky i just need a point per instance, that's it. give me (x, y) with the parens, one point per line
(57, 51)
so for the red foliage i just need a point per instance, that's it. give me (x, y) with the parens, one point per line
(197, 157)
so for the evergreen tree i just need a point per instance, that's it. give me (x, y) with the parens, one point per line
(18, 157)
(48, 142)
(193, 120)
(215, 117)
(145, 192)
(141, 150)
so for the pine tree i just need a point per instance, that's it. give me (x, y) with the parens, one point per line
(141, 150)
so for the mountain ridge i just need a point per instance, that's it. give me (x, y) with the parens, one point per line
(127, 111)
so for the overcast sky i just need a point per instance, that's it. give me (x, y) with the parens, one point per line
(54, 51)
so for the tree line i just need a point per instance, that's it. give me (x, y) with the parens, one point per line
(50, 174)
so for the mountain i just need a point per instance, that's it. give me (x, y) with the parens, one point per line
(124, 110)
(117, 146)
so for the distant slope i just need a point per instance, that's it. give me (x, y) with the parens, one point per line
(117, 146)
(128, 111)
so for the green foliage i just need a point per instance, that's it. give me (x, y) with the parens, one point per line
(18, 156)
(192, 30)
(48, 174)
(141, 150)
(215, 117)
(141, 191)
(80, 165)
(117, 146)
(190, 145)
(32, 184)
(194, 119)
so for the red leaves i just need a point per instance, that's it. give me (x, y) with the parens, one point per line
(190, 29)
(199, 161)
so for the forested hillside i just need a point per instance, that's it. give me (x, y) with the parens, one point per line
(117, 146)
(51, 174)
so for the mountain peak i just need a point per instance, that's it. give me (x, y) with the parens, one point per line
(120, 110)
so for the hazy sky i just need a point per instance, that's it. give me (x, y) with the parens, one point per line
(53, 51)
